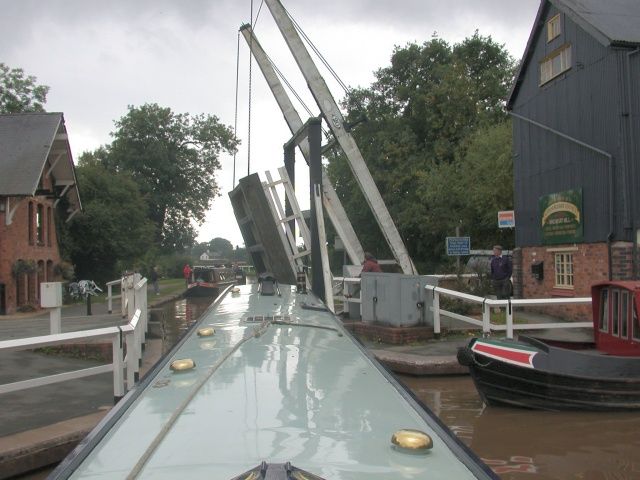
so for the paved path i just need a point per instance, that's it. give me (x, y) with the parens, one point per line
(41, 425)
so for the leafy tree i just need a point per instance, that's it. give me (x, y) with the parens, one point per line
(240, 254)
(173, 158)
(421, 111)
(222, 246)
(114, 232)
(20, 93)
(468, 193)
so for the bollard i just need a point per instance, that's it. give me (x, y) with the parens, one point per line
(89, 305)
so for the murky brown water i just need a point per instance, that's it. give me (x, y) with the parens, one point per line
(523, 444)
(178, 316)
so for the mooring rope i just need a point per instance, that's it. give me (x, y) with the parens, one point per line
(235, 122)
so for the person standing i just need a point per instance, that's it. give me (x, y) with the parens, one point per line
(186, 272)
(154, 280)
(370, 264)
(501, 270)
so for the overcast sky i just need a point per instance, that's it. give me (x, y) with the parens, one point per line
(100, 56)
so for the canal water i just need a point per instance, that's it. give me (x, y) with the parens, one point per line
(516, 443)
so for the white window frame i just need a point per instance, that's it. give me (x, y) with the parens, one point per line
(555, 64)
(554, 28)
(563, 266)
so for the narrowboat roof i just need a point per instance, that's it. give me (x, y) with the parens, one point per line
(624, 284)
(277, 382)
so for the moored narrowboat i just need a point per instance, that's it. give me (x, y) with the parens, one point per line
(530, 373)
(209, 281)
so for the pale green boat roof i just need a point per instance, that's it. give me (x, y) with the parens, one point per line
(296, 393)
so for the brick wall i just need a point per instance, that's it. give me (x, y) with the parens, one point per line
(622, 261)
(16, 243)
(590, 265)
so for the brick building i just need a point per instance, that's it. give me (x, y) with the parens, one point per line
(36, 174)
(576, 139)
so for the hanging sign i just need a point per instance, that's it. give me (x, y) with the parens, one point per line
(506, 219)
(561, 217)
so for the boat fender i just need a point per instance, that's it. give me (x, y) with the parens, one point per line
(466, 357)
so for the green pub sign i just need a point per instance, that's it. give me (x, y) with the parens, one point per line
(561, 218)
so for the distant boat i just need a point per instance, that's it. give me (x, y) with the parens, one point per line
(531, 373)
(209, 281)
(269, 384)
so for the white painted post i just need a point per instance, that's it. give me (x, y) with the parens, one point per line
(324, 254)
(55, 320)
(486, 318)
(118, 366)
(436, 312)
(509, 311)
(109, 297)
(132, 360)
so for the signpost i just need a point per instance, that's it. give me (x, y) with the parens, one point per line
(458, 246)
(506, 219)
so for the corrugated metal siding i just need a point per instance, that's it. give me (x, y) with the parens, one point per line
(584, 103)
(634, 135)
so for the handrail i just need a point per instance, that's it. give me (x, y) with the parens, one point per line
(132, 333)
(508, 304)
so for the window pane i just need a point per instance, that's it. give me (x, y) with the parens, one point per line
(615, 317)
(624, 315)
(636, 325)
(604, 311)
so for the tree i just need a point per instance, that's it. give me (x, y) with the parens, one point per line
(20, 93)
(173, 158)
(114, 232)
(222, 246)
(421, 111)
(468, 193)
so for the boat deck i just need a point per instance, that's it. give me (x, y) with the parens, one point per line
(275, 383)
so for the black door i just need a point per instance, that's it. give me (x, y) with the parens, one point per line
(3, 305)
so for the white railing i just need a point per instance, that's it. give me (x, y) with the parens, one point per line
(110, 295)
(132, 336)
(487, 303)
(129, 335)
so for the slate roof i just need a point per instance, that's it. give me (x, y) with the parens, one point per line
(611, 22)
(27, 141)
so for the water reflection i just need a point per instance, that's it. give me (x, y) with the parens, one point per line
(529, 444)
(176, 317)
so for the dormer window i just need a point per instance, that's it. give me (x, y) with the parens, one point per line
(553, 28)
(555, 64)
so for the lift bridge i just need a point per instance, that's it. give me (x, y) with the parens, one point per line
(267, 228)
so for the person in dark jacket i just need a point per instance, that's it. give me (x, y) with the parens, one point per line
(501, 270)
(370, 264)
(154, 277)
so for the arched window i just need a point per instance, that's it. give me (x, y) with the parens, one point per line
(30, 221)
(40, 224)
(49, 225)
(40, 273)
(50, 274)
